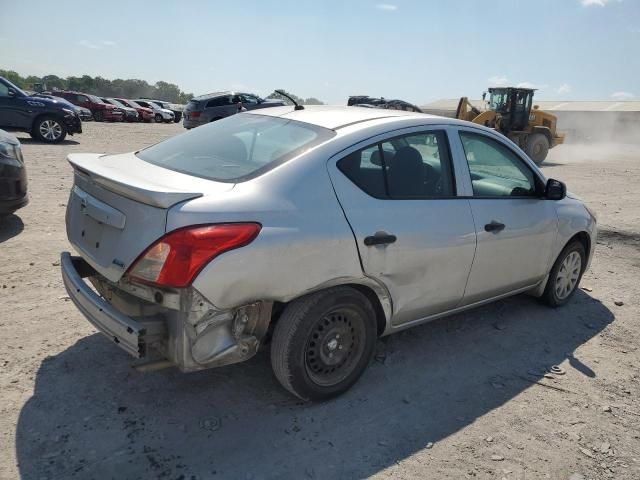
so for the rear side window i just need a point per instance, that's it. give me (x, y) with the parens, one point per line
(236, 148)
(415, 166)
(219, 102)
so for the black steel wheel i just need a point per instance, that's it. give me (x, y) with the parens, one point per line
(323, 342)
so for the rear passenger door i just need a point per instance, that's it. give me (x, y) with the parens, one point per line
(413, 233)
(516, 226)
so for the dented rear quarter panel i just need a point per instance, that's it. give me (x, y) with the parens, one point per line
(305, 242)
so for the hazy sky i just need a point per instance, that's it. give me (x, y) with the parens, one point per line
(415, 50)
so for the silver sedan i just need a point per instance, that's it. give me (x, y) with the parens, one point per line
(315, 231)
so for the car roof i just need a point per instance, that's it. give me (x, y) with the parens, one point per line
(207, 96)
(335, 117)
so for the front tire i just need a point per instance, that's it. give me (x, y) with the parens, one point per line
(565, 275)
(98, 116)
(537, 147)
(49, 129)
(323, 342)
(158, 118)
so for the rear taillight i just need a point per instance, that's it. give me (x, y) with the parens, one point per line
(175, 259)
(194, 114)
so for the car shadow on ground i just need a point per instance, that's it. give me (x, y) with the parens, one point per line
(33, 141)
(92, 416)
(10, 226)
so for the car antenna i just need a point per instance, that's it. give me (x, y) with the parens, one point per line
(285, 94)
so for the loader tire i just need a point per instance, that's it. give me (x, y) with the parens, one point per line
(537, 147)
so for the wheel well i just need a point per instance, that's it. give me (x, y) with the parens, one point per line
(381, 319)
(585, 240)
(544, 131)
(46, 114)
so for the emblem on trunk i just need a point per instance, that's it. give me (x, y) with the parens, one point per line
(117, 262)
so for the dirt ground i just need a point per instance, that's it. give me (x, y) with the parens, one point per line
(469, 396)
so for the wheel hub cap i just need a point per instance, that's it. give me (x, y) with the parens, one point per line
(568, 275)
(50, 129)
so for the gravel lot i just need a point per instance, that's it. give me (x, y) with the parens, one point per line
(463, 397)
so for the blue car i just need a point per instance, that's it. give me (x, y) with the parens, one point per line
(46, 119)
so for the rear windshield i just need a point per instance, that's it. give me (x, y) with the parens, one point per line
(235, 148)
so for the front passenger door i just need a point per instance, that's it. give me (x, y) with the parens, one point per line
(515, 225)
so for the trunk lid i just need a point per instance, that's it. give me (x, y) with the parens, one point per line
(118, 206)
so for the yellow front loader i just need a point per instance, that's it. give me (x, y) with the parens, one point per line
(510, 112)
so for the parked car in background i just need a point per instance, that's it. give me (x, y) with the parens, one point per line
(83, 113)
(130, 114)
(371, 221)
(100, 110)
(46, 119)
(177, 112)
(214, 106)
(13, 175)
(144, 114)
(159, 114)
(371, 102)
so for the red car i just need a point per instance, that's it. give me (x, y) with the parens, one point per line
(146, 114)
(101, 111)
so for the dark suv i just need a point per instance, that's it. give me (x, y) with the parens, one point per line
(46, 119)
(214, 106)
(100, 110)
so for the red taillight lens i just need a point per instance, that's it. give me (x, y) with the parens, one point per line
(175, 259)
(194, 114)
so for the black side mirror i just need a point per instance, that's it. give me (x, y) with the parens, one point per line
(11, 92)
(555, 190)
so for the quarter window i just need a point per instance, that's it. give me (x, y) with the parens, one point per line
(408, 167)
(495, 170)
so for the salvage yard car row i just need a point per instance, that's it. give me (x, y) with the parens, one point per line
(50, 116)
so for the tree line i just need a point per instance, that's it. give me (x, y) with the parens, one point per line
(129, 88)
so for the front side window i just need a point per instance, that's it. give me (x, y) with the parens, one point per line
(4, 90)
(495, 170)
(236, 148)
(416, 166)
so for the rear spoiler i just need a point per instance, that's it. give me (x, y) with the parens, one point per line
(87, 168)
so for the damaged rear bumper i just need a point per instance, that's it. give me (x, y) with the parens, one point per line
(127, 333)
(181, 325)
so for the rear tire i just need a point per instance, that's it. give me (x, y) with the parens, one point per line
(158, 118)
(49, 129)
(565, 275)
(98, 116)
(537, 147)
(323, 342)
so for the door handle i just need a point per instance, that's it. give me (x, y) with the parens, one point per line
(494, 226)
(379, 238)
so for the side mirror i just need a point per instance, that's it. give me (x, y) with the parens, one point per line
(11, 92)
(555, 190)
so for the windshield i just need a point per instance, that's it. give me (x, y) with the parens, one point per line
(236, 148)
(18, 89)
(115, 102)
(95, 99)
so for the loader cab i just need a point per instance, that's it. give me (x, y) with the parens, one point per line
(513, 105)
